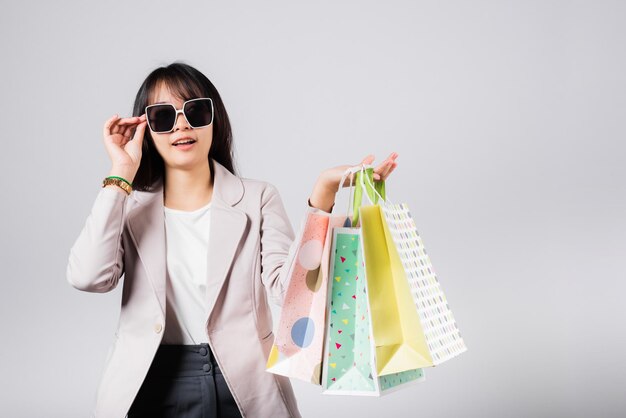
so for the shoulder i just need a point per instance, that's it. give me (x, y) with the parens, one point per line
(260, 195)
(257, 187)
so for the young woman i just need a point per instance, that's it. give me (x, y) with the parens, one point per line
(200, 249)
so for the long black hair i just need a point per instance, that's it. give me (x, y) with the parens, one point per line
(186, 82)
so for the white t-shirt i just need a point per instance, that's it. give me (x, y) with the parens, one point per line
(187, 240)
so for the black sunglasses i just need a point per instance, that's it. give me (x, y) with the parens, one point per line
(161, 117)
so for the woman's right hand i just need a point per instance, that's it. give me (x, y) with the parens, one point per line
(125, 153)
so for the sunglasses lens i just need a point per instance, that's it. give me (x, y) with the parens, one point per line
(161, 118)
(199, 112)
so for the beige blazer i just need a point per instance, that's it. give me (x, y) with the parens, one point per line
(251, 246)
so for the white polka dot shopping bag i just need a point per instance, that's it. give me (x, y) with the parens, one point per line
(387, 316)
(299, 341)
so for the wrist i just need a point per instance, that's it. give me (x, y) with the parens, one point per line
(116, 187)
(323, 196)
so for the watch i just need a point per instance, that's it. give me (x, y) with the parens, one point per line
(118, 182)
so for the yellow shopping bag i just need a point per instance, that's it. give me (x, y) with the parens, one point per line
(397, 330)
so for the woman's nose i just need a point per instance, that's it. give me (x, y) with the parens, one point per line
(181, 122)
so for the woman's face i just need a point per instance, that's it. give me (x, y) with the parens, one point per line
(185, 157)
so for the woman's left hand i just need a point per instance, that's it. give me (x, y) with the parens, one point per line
(327, 185)
(332, 176)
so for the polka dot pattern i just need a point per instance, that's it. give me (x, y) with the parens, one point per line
(314, 280)
(440, 329)
(302, 332)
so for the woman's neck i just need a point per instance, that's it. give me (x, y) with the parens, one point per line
(187, 190)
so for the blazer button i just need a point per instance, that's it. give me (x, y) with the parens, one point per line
(158, 328)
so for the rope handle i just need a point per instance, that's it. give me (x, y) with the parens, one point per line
(349, 171)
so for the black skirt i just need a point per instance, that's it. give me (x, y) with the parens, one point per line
(184, 381)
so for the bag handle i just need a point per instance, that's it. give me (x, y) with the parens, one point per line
(365, 193)
(361, 171)
(385, 199)
(349, 171)
(377, 190)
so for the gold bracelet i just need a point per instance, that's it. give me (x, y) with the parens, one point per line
(118, 182)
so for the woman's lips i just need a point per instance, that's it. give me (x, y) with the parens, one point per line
(184, 147)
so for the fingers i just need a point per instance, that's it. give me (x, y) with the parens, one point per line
(133, 120)
(386, 167)
(393, 167)
(141, 128)
(386, 171)
(123, 126)
(108, 125)
(137, 140)
(390, 165)
(380, 173)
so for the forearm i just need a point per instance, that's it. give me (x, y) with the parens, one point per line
(96, 259)
(323, 196)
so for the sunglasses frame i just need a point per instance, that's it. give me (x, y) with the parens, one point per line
(180, 111)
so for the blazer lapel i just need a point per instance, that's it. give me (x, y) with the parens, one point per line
(147, 229)
(226, 231)
(227, 226)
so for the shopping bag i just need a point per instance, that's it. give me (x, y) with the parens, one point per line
(350, 355)
(298, 344)
(349, 365)
(361, 187)
(402, 341)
